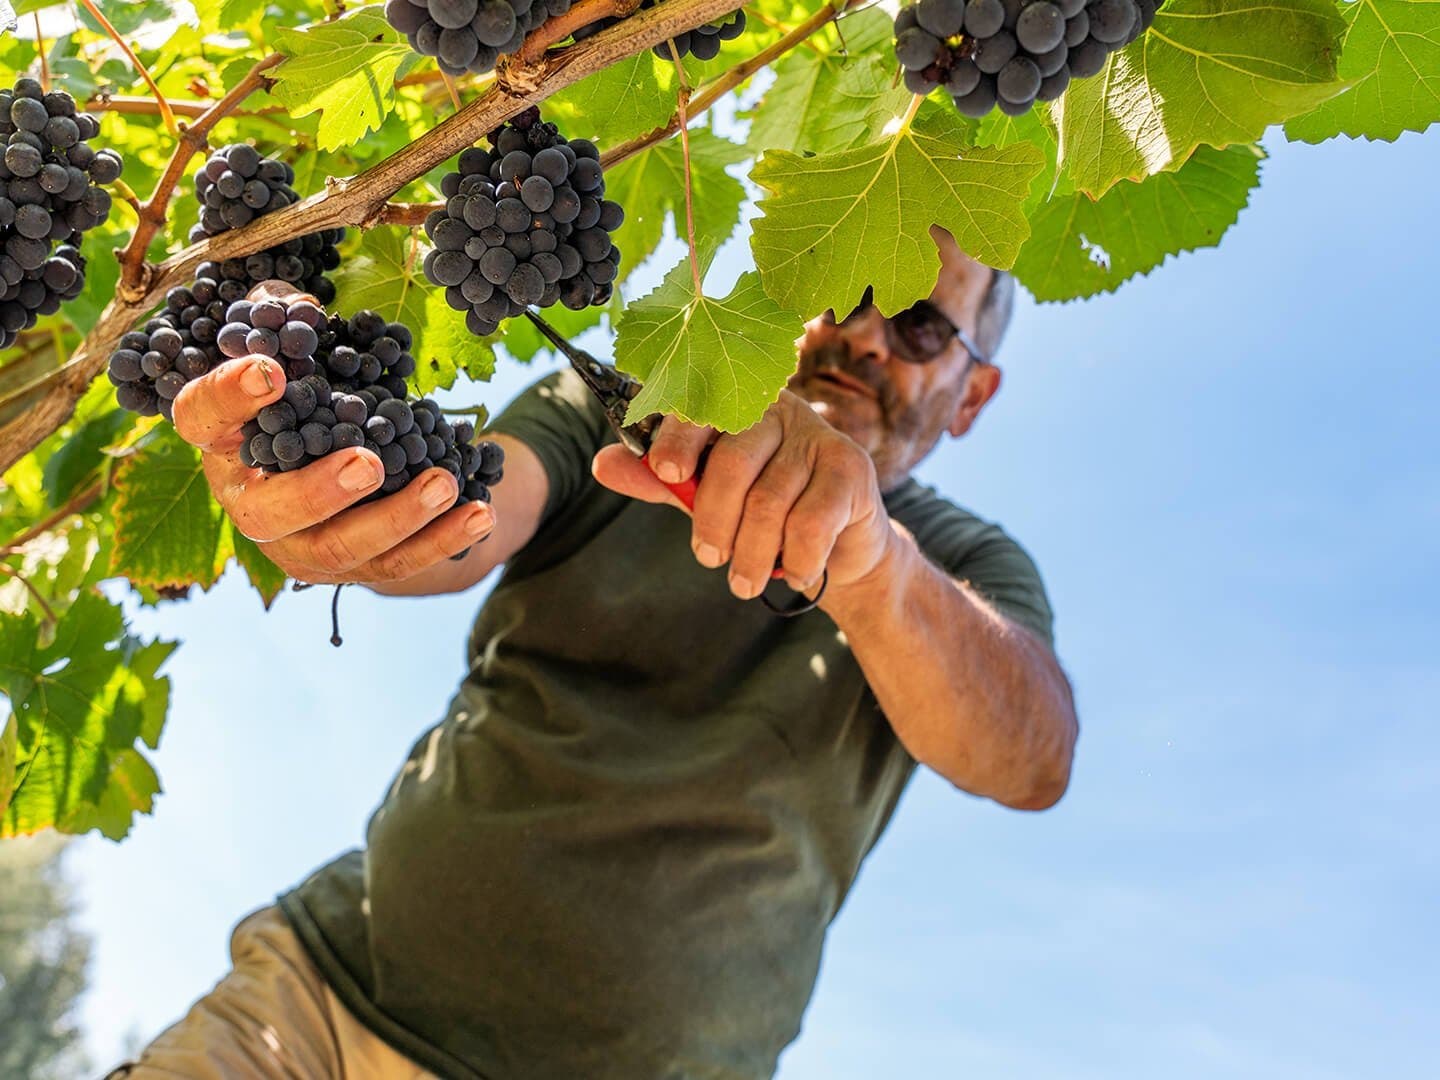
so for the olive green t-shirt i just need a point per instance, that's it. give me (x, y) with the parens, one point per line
(617, 857)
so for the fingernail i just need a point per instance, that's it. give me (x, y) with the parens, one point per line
(479, 521)
(708, 555)
(438, 491)
(668, 471)
(741, 587)
(257, 381)
(358, 475)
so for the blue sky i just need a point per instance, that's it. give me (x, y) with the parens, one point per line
(1229, 475)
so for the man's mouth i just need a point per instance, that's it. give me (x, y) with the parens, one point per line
(839, 378)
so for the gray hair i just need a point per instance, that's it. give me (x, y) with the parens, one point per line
(995, 311)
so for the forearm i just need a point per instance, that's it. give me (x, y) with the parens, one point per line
(448, 576)
(969, 693)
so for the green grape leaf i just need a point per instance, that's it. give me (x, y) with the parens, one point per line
(836, 99)
(1392, 58)
(167, 527)
(80, 704)
(716, 362)
(385, 273)
(10, 732)
(1079, 247)
(627, 99)
(838, 223)
(1208, 71)
(346, 69)
(1036, 127)
(651, 185)
(267, 578)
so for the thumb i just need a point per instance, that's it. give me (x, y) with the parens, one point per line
(621, 471)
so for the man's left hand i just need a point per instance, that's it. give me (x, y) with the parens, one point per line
(791, 489)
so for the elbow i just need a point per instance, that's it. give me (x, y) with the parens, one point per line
(1045, 783)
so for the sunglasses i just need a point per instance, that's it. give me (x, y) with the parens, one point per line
(918, 334)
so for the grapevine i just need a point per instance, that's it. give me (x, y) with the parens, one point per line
(838, 180)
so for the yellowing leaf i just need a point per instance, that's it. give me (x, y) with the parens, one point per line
(346, 69)
(167, 526)
(716, 362)
(838, 223)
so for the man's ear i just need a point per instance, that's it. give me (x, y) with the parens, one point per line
(981, 382)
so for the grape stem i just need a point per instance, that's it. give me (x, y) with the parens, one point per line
(454, 94)
(680, 100)
(555, 30)
(143, 105)
(165, 114)
(74, 505)
(128, 194)
(133, 275)
(40, 51)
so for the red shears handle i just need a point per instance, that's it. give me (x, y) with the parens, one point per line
(685, 492)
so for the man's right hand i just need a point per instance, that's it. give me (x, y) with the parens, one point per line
(305, 520)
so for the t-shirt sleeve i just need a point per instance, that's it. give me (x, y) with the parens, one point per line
(986, 557)
(562, 422)
(1003, 572)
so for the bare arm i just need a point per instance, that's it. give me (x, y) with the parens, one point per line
(978, 698)
(969, 693)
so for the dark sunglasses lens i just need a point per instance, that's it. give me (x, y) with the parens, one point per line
(923, 332)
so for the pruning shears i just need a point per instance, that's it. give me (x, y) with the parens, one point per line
(615, 390)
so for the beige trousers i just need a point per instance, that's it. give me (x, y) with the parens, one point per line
(272, 1017)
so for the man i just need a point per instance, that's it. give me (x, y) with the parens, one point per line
(617, 857)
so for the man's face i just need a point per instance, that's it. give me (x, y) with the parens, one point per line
(894, 409)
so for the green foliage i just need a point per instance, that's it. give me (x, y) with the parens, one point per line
(385, 275)
(836, 99)
(1208, 72)
(1156, 156)
(718, 362)
(651, 185)
(1084, 247)
(345, 69)
(167, 526)
(1392, 58)
(835, 224)
(80, 703)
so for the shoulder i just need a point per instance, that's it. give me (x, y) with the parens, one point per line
(975, 550)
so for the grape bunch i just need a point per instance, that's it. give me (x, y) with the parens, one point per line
(345, 386)
(703, 41)
(237, 185)
(153, 364)
(1012, 53)
(526, 223)
(469, 35)
(49, 177)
